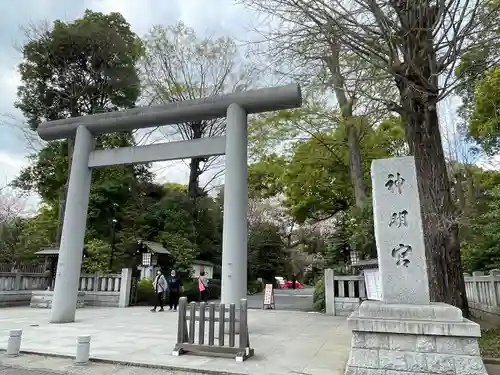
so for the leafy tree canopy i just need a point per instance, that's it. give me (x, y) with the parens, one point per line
(81, 67)
(484, 124)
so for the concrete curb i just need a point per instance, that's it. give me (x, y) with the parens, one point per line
(127, 363)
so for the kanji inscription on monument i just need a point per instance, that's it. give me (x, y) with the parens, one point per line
(402, 254)
(398, 219)
(398, 231)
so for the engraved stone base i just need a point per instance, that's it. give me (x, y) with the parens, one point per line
(42, 299)
(411, 339)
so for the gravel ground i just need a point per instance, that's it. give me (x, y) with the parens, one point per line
(29, 364)
(122, 370)
(19, 371)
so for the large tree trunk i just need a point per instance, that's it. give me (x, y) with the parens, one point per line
(346, 111)
(442, 245)
(417, 84)
(356, 163)
(194, 165)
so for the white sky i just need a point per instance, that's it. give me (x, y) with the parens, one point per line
(223, 19)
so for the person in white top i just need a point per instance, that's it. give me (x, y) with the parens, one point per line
(160, 287)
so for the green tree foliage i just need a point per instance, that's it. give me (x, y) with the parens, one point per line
(21, 237)
(265, 178)
(315, 178)
(114, 190)
(484, 125)
(484, 253)
(477, 61)
(266, 254)
(98, 254)
(82, 67)
(319, 299)
(169, 220)
(74, 69)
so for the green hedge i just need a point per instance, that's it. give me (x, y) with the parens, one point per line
(146, 294)
(319, 303)
(214, 282)
(255, 286)
(192, 292)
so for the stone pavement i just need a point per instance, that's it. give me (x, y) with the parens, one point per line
(285, 342)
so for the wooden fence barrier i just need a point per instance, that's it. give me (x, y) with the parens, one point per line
(186, 338)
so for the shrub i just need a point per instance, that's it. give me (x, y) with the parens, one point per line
(213, 291)
(319, 303)
(192, 292)
(214, 282)
(145, 292)
(255, 286)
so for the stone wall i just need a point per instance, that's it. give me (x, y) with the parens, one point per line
(343, 294)
(398, 354)
(43, 299)
(483, 294)
(345, 306)
(105, 299)
(15, 298)
(17, 289)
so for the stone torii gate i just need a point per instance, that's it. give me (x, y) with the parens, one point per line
(235, 107)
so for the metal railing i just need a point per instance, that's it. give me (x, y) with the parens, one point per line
(205, 343)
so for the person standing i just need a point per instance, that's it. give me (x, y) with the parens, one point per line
(175, 288)
(160, 286)
(202, 287)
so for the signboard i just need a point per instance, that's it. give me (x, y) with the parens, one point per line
(268, 297)
(372, 284)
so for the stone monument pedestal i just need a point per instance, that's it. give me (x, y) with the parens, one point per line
(42, 299)
(397, 339)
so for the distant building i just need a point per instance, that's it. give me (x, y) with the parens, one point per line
(203, 266)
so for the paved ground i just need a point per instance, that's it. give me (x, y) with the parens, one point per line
(285, 342)
(286, 299)
(493, 369)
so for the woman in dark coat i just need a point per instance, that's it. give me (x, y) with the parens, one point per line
(174, 288)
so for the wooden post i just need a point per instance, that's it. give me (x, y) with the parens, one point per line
(232, 324)
(211, 323)
(222, 316)
(192, 321)
(201, 331)
(243, 324)
(182, 324)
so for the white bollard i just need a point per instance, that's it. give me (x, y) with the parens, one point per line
(14, 343)
(82, 350)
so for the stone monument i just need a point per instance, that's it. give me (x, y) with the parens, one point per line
(405, 333)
